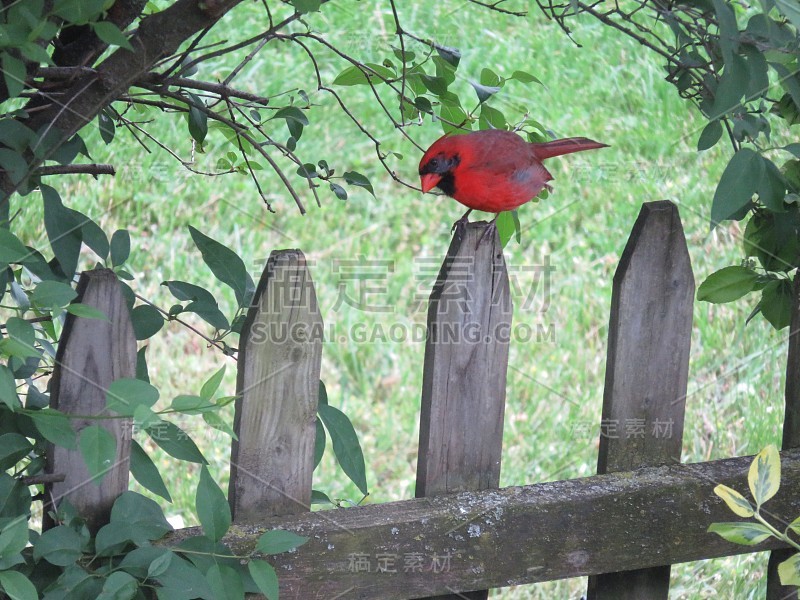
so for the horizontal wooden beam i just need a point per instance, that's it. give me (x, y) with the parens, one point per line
(495, 538)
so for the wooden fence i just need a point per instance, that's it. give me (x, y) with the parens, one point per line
(623, 527)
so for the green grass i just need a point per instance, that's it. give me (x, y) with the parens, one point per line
(610, 90)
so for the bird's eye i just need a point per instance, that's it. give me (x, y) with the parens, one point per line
(433, 163)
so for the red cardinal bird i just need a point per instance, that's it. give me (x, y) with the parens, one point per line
(492, 170)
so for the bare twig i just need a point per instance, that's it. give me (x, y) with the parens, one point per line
(495, 6)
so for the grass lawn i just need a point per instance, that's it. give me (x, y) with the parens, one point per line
(610, 90)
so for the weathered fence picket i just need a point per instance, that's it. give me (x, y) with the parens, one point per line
(644, 399)
(623, 527)
(464, 374)
(280, 353)
(791, 437)
(92, 353)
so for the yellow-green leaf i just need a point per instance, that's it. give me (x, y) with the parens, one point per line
(789, 570)
(764, 477)
(735, 501)
(795, 525)
(747, 534)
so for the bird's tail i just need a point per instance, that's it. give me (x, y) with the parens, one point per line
(565, 146)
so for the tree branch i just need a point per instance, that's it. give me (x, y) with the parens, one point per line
(85, 169)
(159, 35)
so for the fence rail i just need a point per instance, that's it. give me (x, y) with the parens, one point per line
(623, 527)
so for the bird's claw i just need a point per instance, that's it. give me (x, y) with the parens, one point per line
(489, 231)
(462, 222)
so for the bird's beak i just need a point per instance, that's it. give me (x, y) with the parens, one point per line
(429, 181)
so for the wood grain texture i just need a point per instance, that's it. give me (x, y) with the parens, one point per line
(647, 370)
(791, 436)
(513, 536)
(464, 375)
(278, 382)
(92, 353)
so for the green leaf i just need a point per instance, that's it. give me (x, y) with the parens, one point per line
(146, 473)
(78, 12)
(491, 118)
(60, 546)
(306, 6)
(727, 284)
(435, 85)
(63, 231)
(771, 188)
(191, 405)
(278, 541)
(21, 332)
(94, 237)
(484, 92)
(318, 497)
(452, 56)
(159, 565)
(319, 442)
(125, 394)
(52, 295)
(340, 192)
(142, 514)
(13, 73)
(13, 448)
(119, 586)
(732, 86)
(120, 247)
(747, 534)
(776, 303)
(213, 509)
(322, 393)
(351, 76)
(525, 77)
(211, 386)
(99, 450)
(791, 10)
(135, 519)
(55, 427)
(11, 249)
(144, 417)
(105, 123)
(735, 501)
(218, 423)
(507, 225)
(141, 364)
(147, 321)
(14, 164)
(265, 577)
(84, 311)
(197, 118)
(225, 582)
(356, 178)
(175, 442)
(764, 476)
(226, 266)
(453, 118)
(728, 29)
(17, 586)
(8, 389)
(711, 135)
(14, 536)
(291, 113)
(346, 446)
(789, 571)
(111, 35)
(737, 185)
